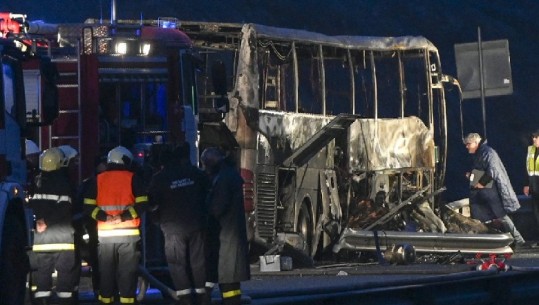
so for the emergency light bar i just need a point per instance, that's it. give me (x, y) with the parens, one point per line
(168, 22)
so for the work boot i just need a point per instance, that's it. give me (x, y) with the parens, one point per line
(41, 301)
(65, 301)
(75, 298)
(202, 299)
(184, 300)
(209, 288)
(235, 300)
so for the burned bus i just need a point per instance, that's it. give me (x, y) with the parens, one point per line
(336, 137)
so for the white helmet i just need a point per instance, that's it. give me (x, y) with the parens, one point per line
(31, 148)
(51, 159)
(118, 154)
(69, 154)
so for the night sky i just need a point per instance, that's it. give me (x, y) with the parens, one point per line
(510, 118)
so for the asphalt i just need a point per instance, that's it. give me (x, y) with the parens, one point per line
(328, 277)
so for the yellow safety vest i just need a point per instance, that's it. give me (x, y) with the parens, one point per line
(532, 164)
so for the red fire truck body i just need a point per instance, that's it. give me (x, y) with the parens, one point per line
(118, 84)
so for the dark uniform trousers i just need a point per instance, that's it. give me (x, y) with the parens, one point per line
(181, 251)
(118, 260)
(64, 263)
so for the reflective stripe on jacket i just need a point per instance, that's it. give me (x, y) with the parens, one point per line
(53, 247)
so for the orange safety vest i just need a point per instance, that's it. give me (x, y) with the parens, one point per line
(114, 196)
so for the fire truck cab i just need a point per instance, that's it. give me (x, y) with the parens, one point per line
(17, 52)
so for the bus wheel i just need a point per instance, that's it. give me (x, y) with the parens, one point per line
(305, 228)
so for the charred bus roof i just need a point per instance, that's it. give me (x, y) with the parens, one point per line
(214, 34)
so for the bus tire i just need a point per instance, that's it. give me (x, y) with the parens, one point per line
(305, 227)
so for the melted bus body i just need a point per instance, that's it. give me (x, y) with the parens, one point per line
(335, 136)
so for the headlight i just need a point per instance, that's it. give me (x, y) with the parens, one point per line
(145, 48)
(121, 48)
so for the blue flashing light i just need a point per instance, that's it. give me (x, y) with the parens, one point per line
(168, 24)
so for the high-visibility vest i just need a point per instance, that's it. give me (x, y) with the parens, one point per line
(114, 196)
(532, 163)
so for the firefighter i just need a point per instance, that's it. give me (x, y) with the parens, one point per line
(54, 246)
(178, 192)
(116, 199)
(227, 222)
(69, 164)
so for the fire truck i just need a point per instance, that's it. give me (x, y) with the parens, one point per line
(116, 82)
(120, 83)
(17, 53)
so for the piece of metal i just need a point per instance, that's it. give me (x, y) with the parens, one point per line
(356, 239)
(411, 200)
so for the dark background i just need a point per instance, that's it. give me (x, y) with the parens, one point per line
(510, 119)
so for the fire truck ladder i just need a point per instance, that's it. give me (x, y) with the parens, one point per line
(66, 129)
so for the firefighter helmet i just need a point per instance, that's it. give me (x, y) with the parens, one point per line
(120, 155)
(69, 154)
(51, 159)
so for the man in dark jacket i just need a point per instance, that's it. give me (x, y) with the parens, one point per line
(491, 195)
(178, 194)
(54, 246)
(225, 205)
